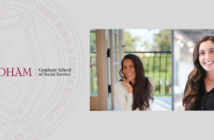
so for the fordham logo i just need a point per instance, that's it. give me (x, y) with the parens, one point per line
(15, 72)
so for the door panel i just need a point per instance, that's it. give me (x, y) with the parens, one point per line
(100, 101)
(117, 54)
(107, 68)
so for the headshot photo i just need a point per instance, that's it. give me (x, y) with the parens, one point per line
(130, 70)
(193, 71)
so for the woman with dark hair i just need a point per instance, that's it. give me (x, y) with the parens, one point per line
(134, 91)
(199, 91)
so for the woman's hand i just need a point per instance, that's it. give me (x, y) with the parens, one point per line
(127, 85)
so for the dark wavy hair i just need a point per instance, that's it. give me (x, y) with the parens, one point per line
(195, 77)
(142, 87)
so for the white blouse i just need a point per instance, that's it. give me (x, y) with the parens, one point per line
(125, 99)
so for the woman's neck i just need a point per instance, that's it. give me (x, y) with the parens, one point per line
(132, 82)
(210, 75)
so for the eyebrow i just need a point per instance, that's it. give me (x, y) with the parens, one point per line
(209, 49)
(129, 65)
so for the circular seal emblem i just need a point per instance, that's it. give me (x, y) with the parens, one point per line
(3, 7)
(38, 35)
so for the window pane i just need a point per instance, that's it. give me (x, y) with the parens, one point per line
(93, 67)
(118, 48)
(107, 39)
(92, 42)
(183, 63)
(114, 47)
(93, 81)
(116, 73)
(93, 58)
(117, 31)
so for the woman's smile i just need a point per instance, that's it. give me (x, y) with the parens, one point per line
(206, 55)
(129, 70)
(208, 63)
(130, 74)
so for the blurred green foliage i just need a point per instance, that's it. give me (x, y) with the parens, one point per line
(162, 40)
(130, 41)
(92, 41)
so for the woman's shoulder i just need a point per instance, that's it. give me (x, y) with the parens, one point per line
(151, 81)
(118, 84)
